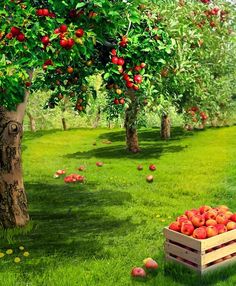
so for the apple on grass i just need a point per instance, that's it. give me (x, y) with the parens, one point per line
(150, 264)
(99, 164)
(152, 167)
(140, 167)
(81, 168)
(149, 178)
(138, 272)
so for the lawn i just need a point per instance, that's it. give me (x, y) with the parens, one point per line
(94, 233)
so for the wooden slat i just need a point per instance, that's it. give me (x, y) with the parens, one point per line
(168, 257)
(182, 239)
(184, 253)
(218, 239)
(219, 253)
(219, 265)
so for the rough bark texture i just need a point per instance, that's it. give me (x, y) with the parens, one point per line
(130, 125)
(13, 202)
(165, 127)
(63, 120)
(32, 122)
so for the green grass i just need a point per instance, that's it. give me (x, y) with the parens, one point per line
(93, 234)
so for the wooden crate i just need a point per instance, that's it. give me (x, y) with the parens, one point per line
(201, 255)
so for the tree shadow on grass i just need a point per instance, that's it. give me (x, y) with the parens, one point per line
(71, 222)
(189, 277)
(147, 135)
(119, 151)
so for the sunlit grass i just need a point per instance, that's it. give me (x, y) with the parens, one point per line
(94, 233)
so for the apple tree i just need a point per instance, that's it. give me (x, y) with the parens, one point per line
(141, 48)
(203, 62)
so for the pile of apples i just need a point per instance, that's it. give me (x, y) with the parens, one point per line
(74, 178)
(150, 265)
(205, 222)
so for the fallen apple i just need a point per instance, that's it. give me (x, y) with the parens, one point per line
(99, 164)
(140, 167)
(149, 178)
(150, 264)
(138, 272)
(152, 167)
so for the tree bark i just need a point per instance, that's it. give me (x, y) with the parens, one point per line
(98, 117)
(165, 127)
(13, 202)
(32, 122)
(131, 114)
(63, 120)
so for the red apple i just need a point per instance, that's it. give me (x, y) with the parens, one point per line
(200, 233)
(211, 214)
(15, 31)
(221, 219)
(175, 226)
(228, 214)
(198, 220)
(221, 228)
(152, 167)
(211, 222)
(231, 225)
(99, 164)
(204, 209)
(211, 231)
(63, 28)
(79, 33)
(191, 213)
(187, 228)
(233, 217)
(150, 264)
(138, 272)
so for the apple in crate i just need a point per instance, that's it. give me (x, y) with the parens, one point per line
(176, 226)
(138, 272)
(211, 222)
(204, 209)
(228, 214)
(211, 214)
(221, 228)
(191, 213)
(211, 231)
(200, 233)
(198, 220)
(150, 264)
(221, 219)
(187, 228)
(233, 217)
(231, 225)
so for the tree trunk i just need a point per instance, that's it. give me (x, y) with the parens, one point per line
(165, 127)
(97, 119)
(32, 122)
(63, 120)
(130, 125)
(13, 202)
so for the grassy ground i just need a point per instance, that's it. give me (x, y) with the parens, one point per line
(93, 234)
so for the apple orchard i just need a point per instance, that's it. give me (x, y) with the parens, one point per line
(148, 58)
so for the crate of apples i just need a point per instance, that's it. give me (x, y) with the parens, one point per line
(202, 238)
